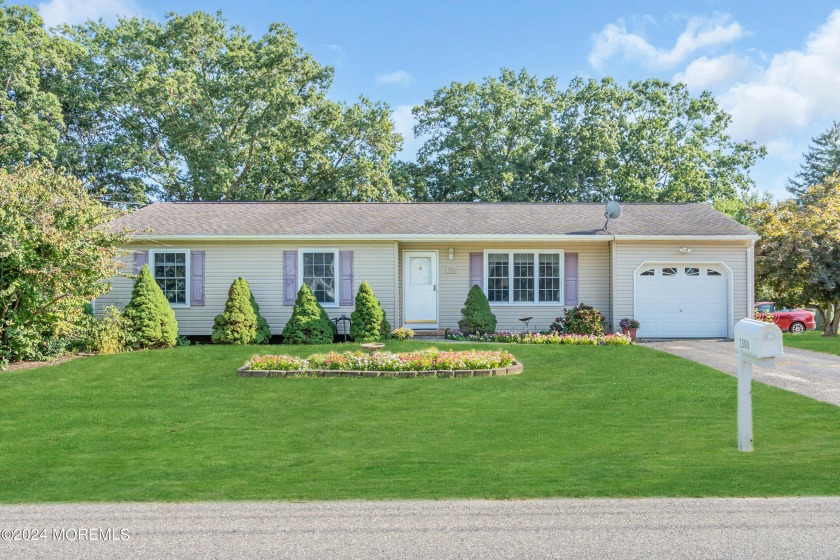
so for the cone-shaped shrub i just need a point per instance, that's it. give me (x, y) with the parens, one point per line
(385, 331)
(367, 317)
(309, 323)
(149, 316)
(263, 330)
(238, 323)
(476, 317)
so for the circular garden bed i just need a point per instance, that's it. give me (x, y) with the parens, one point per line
(427, 363)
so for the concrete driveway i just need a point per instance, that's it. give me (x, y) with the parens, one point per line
(813, 374)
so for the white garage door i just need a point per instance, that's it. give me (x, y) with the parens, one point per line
(682, 301)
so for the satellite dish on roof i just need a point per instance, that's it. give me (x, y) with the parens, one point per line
(612, 212)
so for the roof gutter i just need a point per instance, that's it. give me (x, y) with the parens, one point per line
(448, 238)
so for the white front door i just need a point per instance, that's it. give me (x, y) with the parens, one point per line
(420, 278)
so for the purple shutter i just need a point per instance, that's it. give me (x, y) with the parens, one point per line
(571, 284)
(477, 270)
(290, 281)
(141, 258)
(345, 275)
(196, 277)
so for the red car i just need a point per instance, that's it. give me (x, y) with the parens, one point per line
(796, 321)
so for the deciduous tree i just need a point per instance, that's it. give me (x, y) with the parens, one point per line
(56, 254)
(521, 139)
(798, 255)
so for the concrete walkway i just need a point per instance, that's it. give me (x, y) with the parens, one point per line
(764, 529)
(814, 374)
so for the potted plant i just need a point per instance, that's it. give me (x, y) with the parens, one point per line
(629, 327)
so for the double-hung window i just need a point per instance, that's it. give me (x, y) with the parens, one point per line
(319, 269)
(170, 269)
(520, 277)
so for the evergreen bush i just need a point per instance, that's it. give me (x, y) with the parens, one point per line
(385, 332)
(148, 315)
(368, 316)
(309, 323)
(476, 316)
(263, 330)
(238, 323)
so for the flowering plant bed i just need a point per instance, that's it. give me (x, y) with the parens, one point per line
(426, 363)
(542, 338)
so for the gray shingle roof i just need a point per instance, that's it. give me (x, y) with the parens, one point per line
(401, 219)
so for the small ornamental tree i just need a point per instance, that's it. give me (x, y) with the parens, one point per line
(263, 330)
(368, 316)
(476, 316)
(309, 323)
(238, 323)
(149, 316)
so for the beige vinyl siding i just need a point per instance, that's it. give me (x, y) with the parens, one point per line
(593, 281)
(262, 265)
(628, 256)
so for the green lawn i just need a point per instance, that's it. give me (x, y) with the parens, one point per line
(179, 425)
(813, 340)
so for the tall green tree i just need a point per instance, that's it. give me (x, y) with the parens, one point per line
(31, 118)
(822, 160)
(798, 255)
(515, 137)
(55, 255)
(192, 109)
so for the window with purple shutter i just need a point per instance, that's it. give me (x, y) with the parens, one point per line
(290, 277)
(477, 270)
(197, 278)
(345, 274)
(571, 283)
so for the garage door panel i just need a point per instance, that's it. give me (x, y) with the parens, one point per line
(685, 300)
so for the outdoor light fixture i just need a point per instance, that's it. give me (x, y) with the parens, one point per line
(685, 250)
(451, 253)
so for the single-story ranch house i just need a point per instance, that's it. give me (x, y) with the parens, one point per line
(681, 270)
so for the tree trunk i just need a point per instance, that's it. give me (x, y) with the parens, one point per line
(831, 328)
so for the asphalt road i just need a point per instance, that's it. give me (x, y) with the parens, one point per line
(813, 374)
(763, 529)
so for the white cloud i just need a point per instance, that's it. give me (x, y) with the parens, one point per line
(338, 53)
(71, 12)
(708, 73)
(615, 41)
(398, 78)
(793, 91)
(404, 123)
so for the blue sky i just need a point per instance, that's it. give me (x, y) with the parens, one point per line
(775, 66)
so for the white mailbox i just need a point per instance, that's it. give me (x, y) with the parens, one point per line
(756, 343)
(758, 339)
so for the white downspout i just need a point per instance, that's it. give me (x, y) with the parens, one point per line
(751, 279)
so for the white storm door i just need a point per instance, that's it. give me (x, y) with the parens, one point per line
(420, 278)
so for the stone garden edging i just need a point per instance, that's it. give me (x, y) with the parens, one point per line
(514, 369)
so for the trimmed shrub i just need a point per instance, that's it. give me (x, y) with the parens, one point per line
(368, 316)
(583, 319)
(476, 316)
(148, 315)
(108, 334)
(309, 323)
(263, 330)
(238, 323)
(403, 333)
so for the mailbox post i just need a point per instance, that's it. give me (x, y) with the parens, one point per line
(757, 343)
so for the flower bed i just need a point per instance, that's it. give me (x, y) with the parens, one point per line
(612, 339)
(426, 363)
